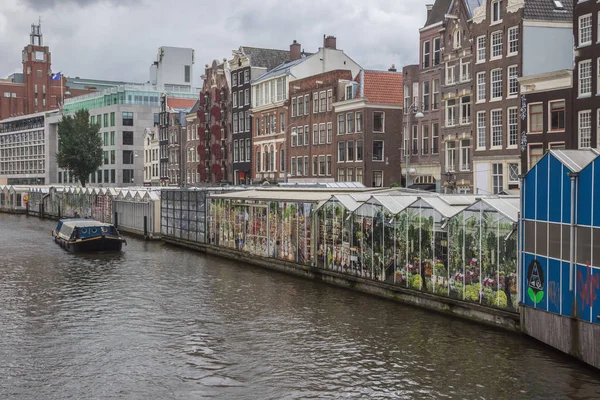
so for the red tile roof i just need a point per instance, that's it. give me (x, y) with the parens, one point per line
(180, 103)
(383, 87)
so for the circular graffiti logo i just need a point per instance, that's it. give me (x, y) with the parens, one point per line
(535, 281)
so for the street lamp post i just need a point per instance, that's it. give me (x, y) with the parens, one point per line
(412, 109)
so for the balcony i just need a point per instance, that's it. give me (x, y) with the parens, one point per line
(465, 77)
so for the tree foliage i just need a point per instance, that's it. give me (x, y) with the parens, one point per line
(80, 146)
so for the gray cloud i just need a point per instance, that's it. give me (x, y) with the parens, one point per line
(98, 39)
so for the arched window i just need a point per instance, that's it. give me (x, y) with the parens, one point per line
(457, 38)
(273, 155)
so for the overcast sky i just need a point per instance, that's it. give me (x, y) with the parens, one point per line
(118, 39)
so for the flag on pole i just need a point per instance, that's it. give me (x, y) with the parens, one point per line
(55, 77)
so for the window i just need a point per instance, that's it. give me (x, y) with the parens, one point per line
(106, 120)
(112, 139)
(234, 79)
(322, 164)
(322, 101)
(350, 150)
(450, 112)
(350, 174)
(480, 49)
(377, 150)
(127, 138)
(480, 86)
(513, 173)
(257, 126)
(235, 99)
(127, 156)
(329, 132)
(300, 163)
(306, 103)
(281, 159)
(315, 102)
(585, 30)
(350, 122)
(127, 119)
(248, 153)
(513, 40)
(328, 165)
(359, 150)
(315, 134)
(585, 78)
(300, 106)
(436, 52)
(496, 117)
(322, 133)
(450, 156)
(377, 178)
(306, 166)
(496, 44)
(449, 74)
(426, 53)
(378, 121)
(341, 175)
(465, 72)
(349, 92)
(435, 138)
(415, 140)
(425, 139)
(497, 178)
(496, 11)
(465, 110)
(535, 117)
(585, 129)
(235, 151)
(359, 175)
(358, 121)
(294, 136)
(293, 165)
(235, 123)
(496, 84)
(415, 92)
(513, 126)
(513, 83)
(341, 152)
(241, 78)
(314, 165)
(112, 119)
(247, 75)
(293, 107)
(106, 138)
(341, 124)
(329, 99)
(436, 94)
(426, 96)
(281, 121)
(456, 36)
(306, 134)
(242, 150)
(465, 155)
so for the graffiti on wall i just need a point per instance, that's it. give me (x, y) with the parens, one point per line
(535, 281)
(588, 286)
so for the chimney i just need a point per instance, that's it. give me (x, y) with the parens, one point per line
(393, 68)
(329, 42)
(295, 52)
(429, 7)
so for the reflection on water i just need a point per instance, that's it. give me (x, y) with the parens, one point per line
(161, 322)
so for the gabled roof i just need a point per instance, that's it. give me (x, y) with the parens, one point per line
(180, 104)
(545, 10)
(266, 58)
(195, 107)
(438, 11)
(282, 69)
(575, 160)
(383, 87)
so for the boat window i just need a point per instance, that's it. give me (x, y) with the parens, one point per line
(83, 230)
(94, 230)
(104, 229)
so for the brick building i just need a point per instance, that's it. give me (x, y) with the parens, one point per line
(214, 131)
(191, 156)
(248, 63)
(367, 138)
(311, 149)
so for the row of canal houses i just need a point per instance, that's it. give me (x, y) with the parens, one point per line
(483, 105)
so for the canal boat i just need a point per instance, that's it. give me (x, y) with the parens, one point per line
(82, 235)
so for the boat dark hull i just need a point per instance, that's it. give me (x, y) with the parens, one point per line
(92, 245)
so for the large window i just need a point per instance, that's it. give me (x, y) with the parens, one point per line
(350, 150)
(451, 112)
(496, 84)
(496, 44)
(481, 49)
(341, 152)
(497, 178)
(322, 134)
(465, 155)
(513, 40)
(481, 86)
(127, 138)
(358, 121)
(435, 138)
(359, 150)
(513, 83)
(127, 119)
(585, 77)
(415, 140)
(436, 94)
(450, 156)
(513, 173)
(329, 132)
(436, 52)
(127, 156)
(536, 152)
(496, 117)
(465, 110)
(377, 178)
(378, 121)
(496, 10)
(377, 150)
(426, 54)
(341, 124)
(535, 117)
(350, 122)
(513, 126)
(585, 30)
(426, 96)
(585, 129)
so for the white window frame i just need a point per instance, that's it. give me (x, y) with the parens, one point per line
(496, 47)
(512, 123)
(512, 37)
(509, 73)
(450, 74)
(497, 174)
(509, 168)
(481, 130)
(426, 56)
(498, 84)
(550, 130)
(587, 66)
(451, 112)
(584, 142)
(465, 75)
(481, 50)
(495, 3)
(462, 166)
(465, 119)
(580, 38)
(496, 136)
(450, 166)
(481, 91)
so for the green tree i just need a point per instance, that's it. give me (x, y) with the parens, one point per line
(79, 146)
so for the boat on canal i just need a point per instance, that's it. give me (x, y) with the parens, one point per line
(83, 235)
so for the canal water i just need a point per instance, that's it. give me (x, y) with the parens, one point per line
(158, 322)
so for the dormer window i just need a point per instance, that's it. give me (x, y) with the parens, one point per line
(349, 92)
(558, 5)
